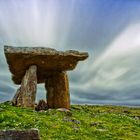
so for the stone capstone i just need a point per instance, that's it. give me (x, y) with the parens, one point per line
(49, 61)
(58, 91)
(42, 105)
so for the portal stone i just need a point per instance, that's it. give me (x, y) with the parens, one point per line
(26, 94)
(58, 91)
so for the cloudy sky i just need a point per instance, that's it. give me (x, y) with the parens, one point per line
(109, 30)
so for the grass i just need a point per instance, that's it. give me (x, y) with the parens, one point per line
(82, 123)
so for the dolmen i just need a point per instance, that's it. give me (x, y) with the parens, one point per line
(33, 65)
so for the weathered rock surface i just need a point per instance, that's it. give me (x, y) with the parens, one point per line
(58, 91)
(26, 94)
(48, 61)
(42, 105)
(19, 135)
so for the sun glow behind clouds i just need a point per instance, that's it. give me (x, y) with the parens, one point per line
(35, 22)
(118, 67)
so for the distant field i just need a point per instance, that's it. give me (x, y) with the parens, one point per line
(82, 123)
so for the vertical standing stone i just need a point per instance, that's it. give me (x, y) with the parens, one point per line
(26, 94)
(57, 88)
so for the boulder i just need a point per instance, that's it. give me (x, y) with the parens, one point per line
(42, 105)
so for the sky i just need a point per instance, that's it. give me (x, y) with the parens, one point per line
(109, 30)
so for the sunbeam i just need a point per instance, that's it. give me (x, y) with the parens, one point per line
(109, 30)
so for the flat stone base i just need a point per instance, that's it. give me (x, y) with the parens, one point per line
(58, 91)
(26, 94)
(19, 135)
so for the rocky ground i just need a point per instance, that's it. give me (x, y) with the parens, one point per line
(83, 122)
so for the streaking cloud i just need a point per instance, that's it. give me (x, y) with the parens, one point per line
(109, 30)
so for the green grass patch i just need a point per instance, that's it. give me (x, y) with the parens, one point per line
(82, 123)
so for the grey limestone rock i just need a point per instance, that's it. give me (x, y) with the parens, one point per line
(48, 61)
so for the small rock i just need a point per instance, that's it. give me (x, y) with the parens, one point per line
(95, 123)
(1, 109)
(76, 121)
(76, 128)
(49, 110)
(67, 111)
(66, 119)
(137, 117)
(63, 110)
(42, 105)
(102, 130)
(126, 111)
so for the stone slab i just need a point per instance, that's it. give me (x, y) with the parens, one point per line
(57, 87)
(26, 94)
(19, 135)
(48, 61)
